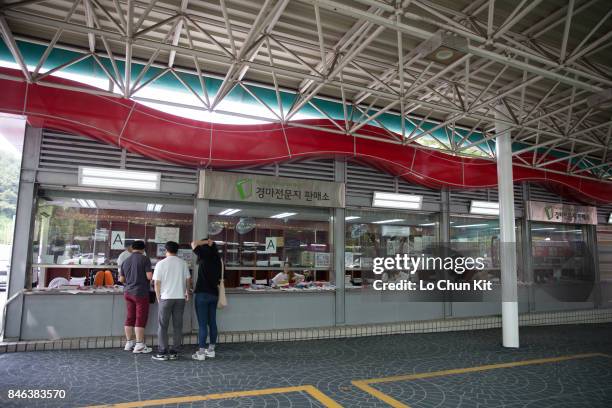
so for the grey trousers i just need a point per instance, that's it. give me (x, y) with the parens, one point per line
(167, 308)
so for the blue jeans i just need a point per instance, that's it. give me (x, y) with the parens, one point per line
(206, 310)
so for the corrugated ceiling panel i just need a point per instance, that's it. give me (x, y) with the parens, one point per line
(64, 152)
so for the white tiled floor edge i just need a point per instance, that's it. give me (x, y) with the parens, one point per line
(428, 326)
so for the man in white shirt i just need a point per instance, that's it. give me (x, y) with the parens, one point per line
(172, 285)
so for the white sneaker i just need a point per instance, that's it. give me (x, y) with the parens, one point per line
(142, 348)
(129, 345)
(198, 355)
(209, 353)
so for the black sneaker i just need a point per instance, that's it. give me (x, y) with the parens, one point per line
(160, 357)
(173, 355)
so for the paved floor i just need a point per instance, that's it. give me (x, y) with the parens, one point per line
(562, 366)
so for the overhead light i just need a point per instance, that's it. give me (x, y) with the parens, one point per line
(429, 224)
(444, 54)
(393, 200)
(283, 215)
(119, 178)
(351, 217)
(470, 225)
(442, 48)
(86, 203)
(484, 207)
(610, 219)
(229, 211)
(154, 207)
(388, 221)
(544, 229)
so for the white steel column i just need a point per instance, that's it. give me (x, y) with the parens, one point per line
(503, 147)
(338, 246)
(20, 275)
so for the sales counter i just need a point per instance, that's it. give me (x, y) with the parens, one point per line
(364, 304)
(101, 312)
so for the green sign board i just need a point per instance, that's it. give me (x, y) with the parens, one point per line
(561, 213)
(217, 185)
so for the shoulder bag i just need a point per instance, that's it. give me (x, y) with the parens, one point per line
(222, 302)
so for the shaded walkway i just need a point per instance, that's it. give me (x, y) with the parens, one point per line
(92, 377)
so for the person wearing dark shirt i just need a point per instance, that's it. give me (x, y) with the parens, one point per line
(136, 274)
(210, 267)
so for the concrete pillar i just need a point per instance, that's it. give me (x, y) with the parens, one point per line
(338, 234)
(21, 260)
(503, 147)
(445, 240)
(200, 230)
(526, 249)
(200, 222)
(592, 262)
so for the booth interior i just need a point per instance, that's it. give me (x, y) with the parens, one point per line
(328, 251)
(78, 234)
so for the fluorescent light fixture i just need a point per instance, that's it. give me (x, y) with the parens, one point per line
(154, 207)
(230, 211)
(484, 207)
(392, 200)
(283, 215)
(544, 229)
(388, 221)
(470, 225)
(429, 224)
(610, 219)
(119, 178)
(351, 217)
(86, 203)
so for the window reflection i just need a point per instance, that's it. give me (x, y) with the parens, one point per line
(560, 253)
(371, 234)
(255, 241)
(84, 229)
(479, 237)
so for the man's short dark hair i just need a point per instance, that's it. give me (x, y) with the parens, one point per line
(172, 247)
(138, 245)
(127, 244)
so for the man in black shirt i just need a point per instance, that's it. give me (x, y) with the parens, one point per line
(136, 274)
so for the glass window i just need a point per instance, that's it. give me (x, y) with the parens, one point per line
(604, 245)
(604, 255)
(73, 230)
(371, 234)
(479, 237)
(257, 240)
(560, 253)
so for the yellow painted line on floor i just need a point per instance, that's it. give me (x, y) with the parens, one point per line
(365, 384)
(309, 389)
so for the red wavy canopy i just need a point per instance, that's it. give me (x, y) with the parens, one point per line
(188, 142)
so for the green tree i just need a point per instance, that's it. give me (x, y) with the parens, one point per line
(9, 184)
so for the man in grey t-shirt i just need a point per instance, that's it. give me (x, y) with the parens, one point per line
(136, 274)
